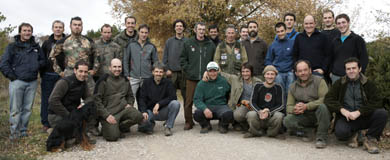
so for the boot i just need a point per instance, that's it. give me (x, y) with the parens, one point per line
(370, 144)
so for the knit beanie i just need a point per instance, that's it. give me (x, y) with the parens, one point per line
(270, 68)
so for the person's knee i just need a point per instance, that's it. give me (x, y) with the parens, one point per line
(175, 105)
(278, 117)
(342, 133)
(381, 114)
(198, 115)
(227, 117)
(288, 121)
(239, 115)
(251, 115)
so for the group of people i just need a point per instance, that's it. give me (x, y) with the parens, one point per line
(293, 85)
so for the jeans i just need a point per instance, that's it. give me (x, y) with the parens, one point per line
(21, 101)
(285, 79)
(168, 114)
(48, 82)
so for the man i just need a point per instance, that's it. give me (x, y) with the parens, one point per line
(171, 58)
(348, 45)
(20, 63)
(243, 33)
(267, 104)
(114, 101)
(289, 21)
(214, 35)
(230, 54)
(197, 52)
(127, 35)
(68, 94)
(305, 108)
(139, 58)
(158, 101)
(358, 106)
(313, 46)
(329, 30)
(106, 50)
(48, 75)
(279, 54)
(210, 99)
(256, 49)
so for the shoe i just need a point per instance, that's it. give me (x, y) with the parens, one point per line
(237, 127)
(167, 132)
(320, 143)
(248, 135)
(223, 129)
(370, 144)
(94, 131)
(353, 142)
(44, 129)
(206, 129)
(188, 126)
(91, 138)
(49, 131)
(148, 132)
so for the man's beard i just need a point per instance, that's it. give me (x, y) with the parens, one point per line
(253, 34)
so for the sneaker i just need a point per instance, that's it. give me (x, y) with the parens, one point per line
(167, 132)
(320, 143)
(370, 144)
(353, 142)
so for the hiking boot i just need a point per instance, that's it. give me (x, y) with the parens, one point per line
(206, 129)
(188, 126)
(167, 131)
(94, 131)
(370, 144)
(91, 138)
(353, 142)
(223, 129)
(320, 143)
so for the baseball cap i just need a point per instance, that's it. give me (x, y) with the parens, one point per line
(212, 65)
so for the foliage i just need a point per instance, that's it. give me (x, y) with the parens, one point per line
(96, 34)
(4, 33)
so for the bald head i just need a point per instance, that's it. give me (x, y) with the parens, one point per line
(309, 24)
(116, 67)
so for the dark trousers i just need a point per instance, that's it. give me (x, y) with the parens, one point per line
(220, 112)
(48, 82)
(190, 91)
(375, 123)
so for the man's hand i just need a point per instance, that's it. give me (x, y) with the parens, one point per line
(208, 113)
(62, 74)
(155, 109)
(263, 114)
(298, 109)
(205, 77)
(128, 106)
(169, 73)
(111, 119)
(128, 78)
(80, 106)
(245, 102)
(145, 115)
(354, 115)
(91, 72)
(320, 71)
(345, 113)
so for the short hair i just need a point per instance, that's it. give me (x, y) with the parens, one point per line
(252, 22)
(213, 26)
(179, 21)
(352, 59)
(246, 65)
(77, 18)
(299, 61)
(159, 65)
(343, 15)
(289, 14)
(80, 63)
(135, 19)
(242, 27)
(280, 24)
(24, 24)
(143, 26)
(199, 23)
(328, 11)
(57, 21)
(105, 26)
(230, 26)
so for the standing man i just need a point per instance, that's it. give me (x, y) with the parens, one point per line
(211, 99)
(158, 101)
(20, 63)
(48, 75)
(127, 35)
(106, 50)
(139, 58)
(214, 34)
(243, 33)
(358, 106)
(305, 108)
(329, 30)
(346, 46)
(256, 49)
(289, 21)
(114, 101)
(313, 46)
(172, 51)
(230, 54)
(197, 52)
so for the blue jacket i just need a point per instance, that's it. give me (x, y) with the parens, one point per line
(279, 54)
(22, 60)
(290, 35)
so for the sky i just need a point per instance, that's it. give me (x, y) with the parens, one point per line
(41, 13)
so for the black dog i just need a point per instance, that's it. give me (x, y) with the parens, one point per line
(70, 127)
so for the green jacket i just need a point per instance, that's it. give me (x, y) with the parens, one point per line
(105, 52)
(237, 87)
(229, 58)
(334, 100)
(123, 40)
(195, 57)
(112, 95)
(211, 93)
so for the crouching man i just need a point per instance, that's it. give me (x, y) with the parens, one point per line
(114, 101)
(356, 102)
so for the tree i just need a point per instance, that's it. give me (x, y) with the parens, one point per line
(95, 35)
(4, 34)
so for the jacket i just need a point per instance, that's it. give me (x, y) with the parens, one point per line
(22, 60)
(173, 49)
(256, 52)
(138, 60)
(353, 46)
(46, 48)
(105, 52)
(292, 35)
(195, 57)
(123, 40)
(334, 100)
(152, 93)
(213, 92)
(229, 58)
(271, 98)
(279, 54)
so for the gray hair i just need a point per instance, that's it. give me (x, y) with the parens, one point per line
(159, 65)
(57, 21)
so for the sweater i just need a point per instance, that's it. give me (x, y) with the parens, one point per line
(213, 92)
(271, 98)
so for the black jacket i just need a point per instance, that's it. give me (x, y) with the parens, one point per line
(151, 93)
(22, 60)
(314, 49)
(46, 48)
(353, 46)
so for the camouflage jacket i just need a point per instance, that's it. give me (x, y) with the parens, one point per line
(105, 52)
(67, 51)
(123, 40)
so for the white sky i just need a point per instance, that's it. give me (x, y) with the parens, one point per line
(41, 13)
